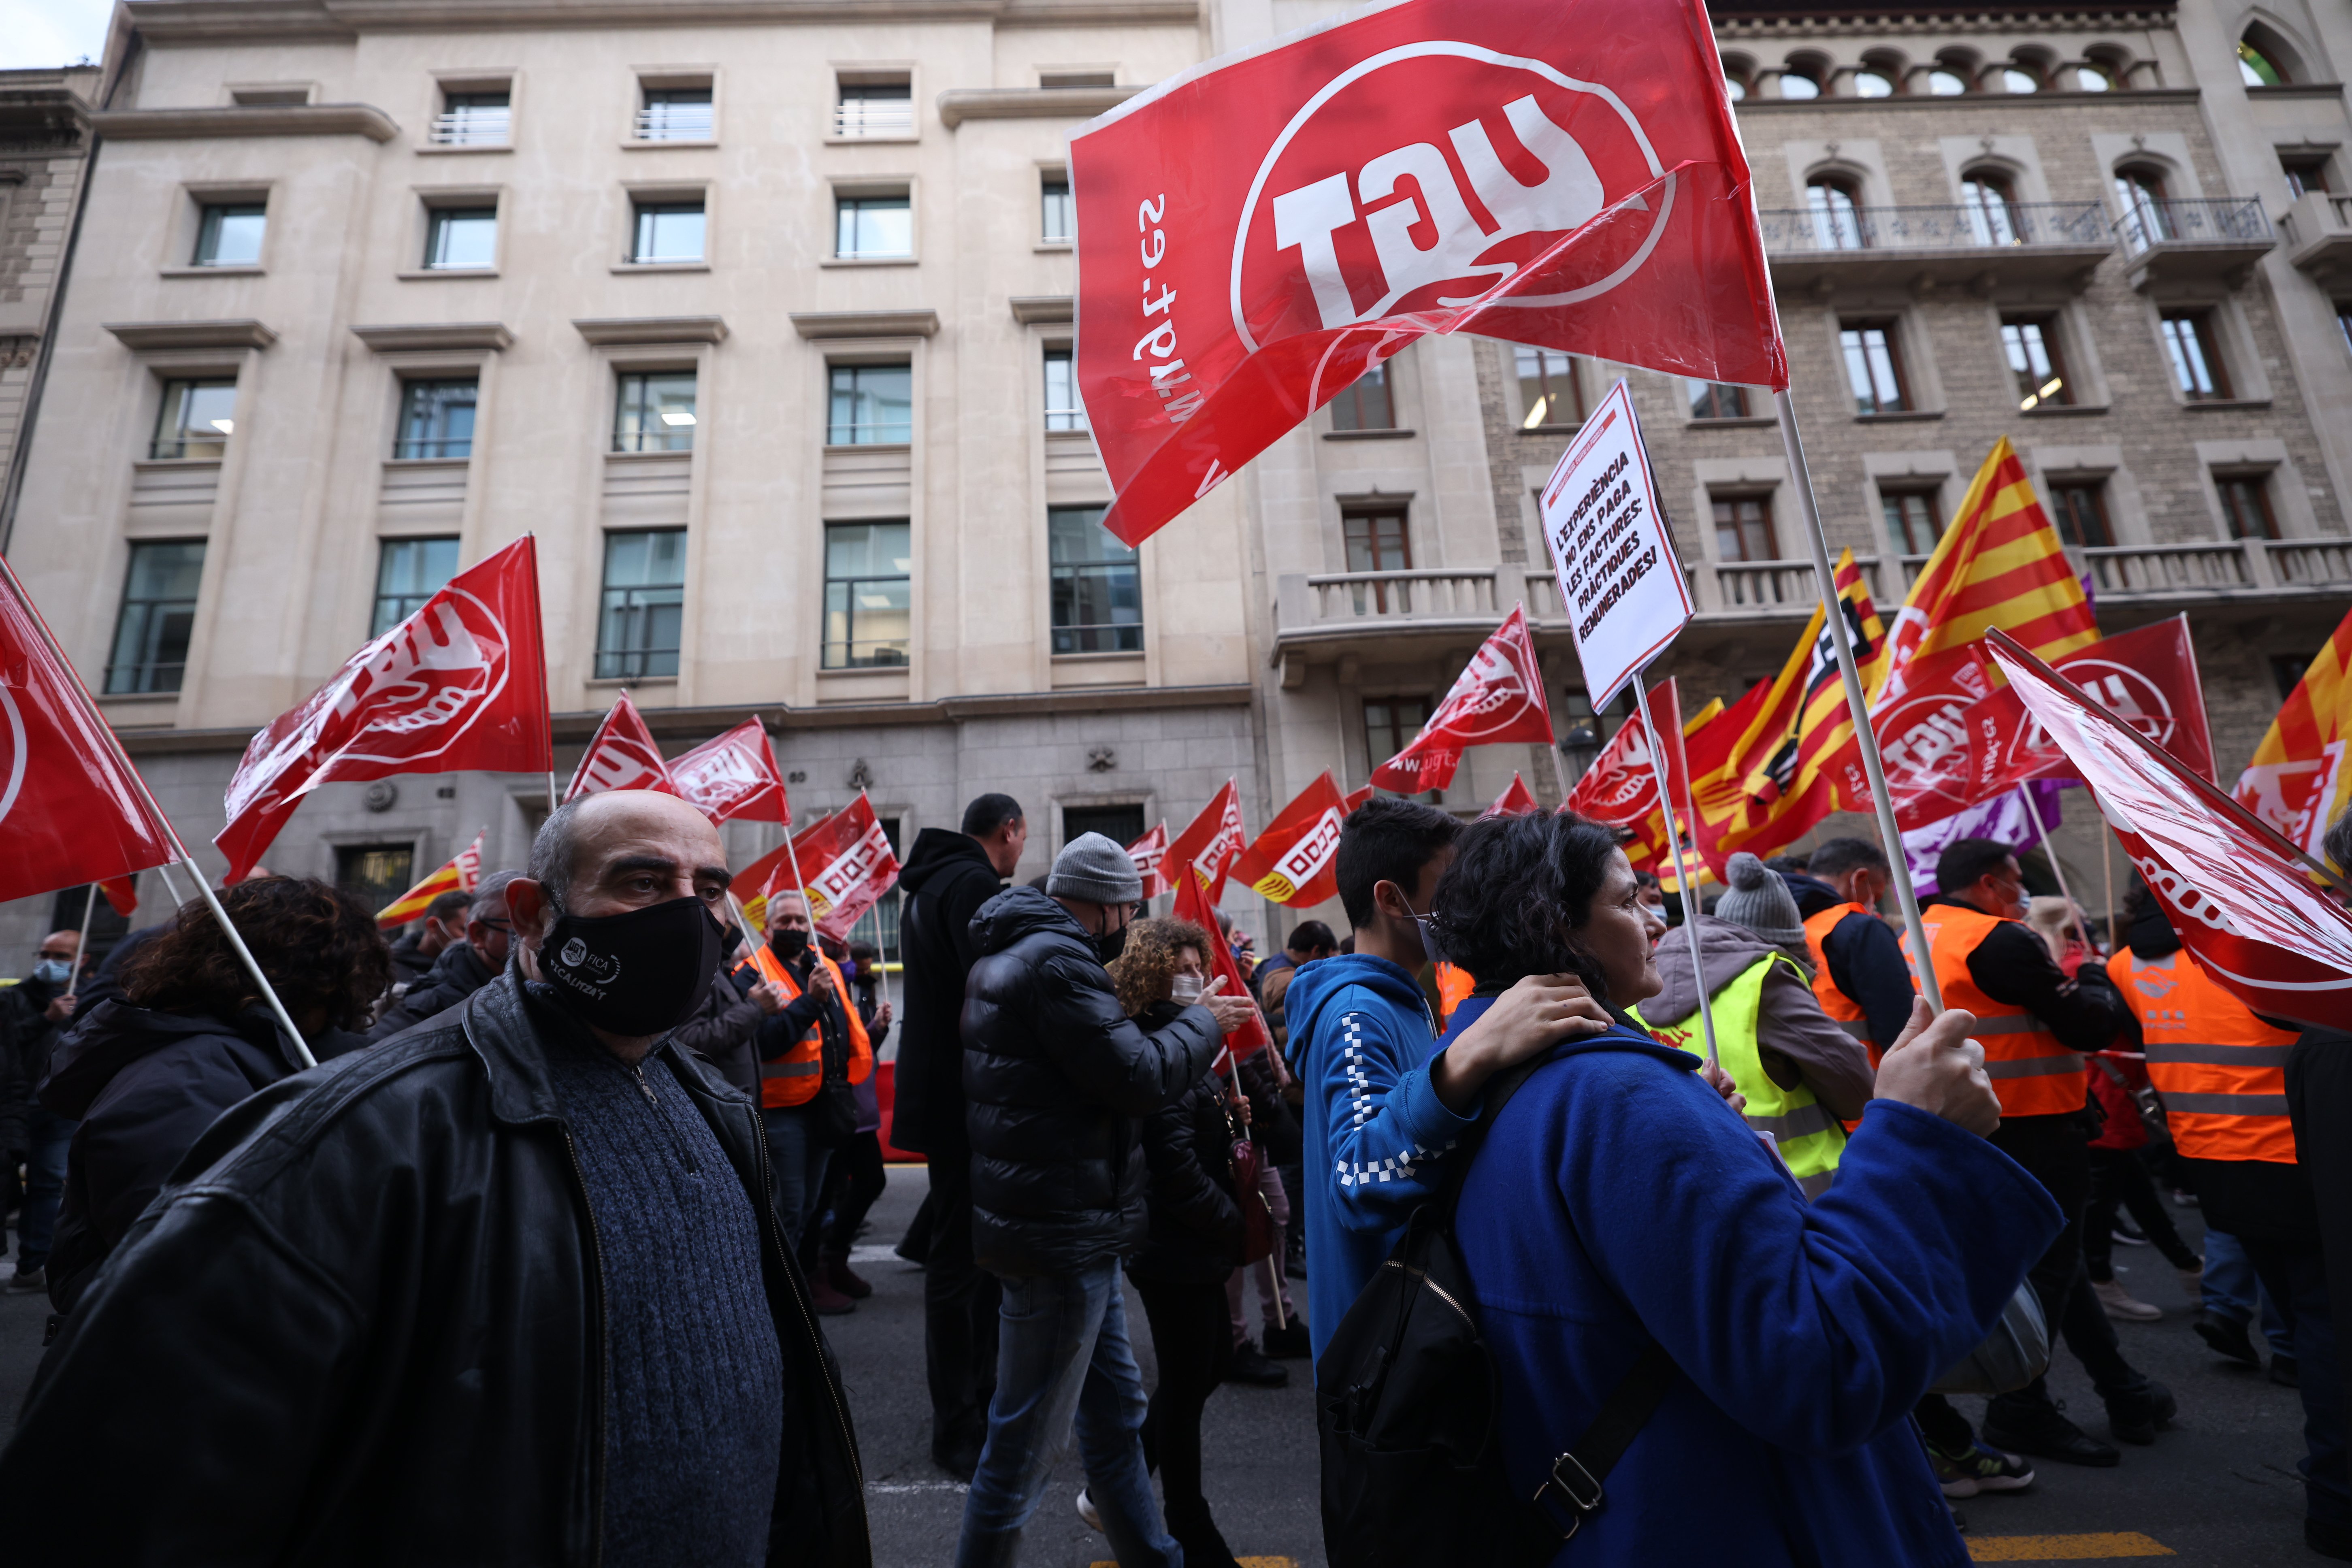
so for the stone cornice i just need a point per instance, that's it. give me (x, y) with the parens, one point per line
(1031, 310)
(816, 324)
(2001, 101)
(55, 115)
(1831, 23)
(210, 21)
(269, 119)
(626, 329)
(959, 104)
(435, 335)
(144, 336)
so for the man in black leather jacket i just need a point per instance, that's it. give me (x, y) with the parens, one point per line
(1057, 1078)
(414, 1307)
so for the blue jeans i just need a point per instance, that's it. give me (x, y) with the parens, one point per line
(798, 1158)
(2294, 1275)
(1061, 1351)
(2231, 1291)
(45, 1189)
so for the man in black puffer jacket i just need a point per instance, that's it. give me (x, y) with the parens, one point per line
(1057, 1078)
(463, 967)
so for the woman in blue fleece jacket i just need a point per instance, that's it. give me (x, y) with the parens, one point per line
(1619, 1200)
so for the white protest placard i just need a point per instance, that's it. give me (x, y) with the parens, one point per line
(1612, 551)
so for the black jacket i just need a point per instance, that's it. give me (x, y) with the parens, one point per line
(1194, 1214)
(1273, 1123)
(26, 1036)
(946, 878)
(721, 1033)
(144, 1086)
(410, 962)
(1056, 1076)
(456, 975)
(1866, 961)
(364, 1325)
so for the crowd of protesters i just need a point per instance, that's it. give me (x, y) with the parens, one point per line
(531, 1267)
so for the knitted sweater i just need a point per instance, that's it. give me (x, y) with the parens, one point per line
(693, 1399)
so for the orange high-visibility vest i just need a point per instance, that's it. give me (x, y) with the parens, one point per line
(2220, 1070)
(794, 1077)
(2031, 1072)
(1839, 1006)
(1454, 984)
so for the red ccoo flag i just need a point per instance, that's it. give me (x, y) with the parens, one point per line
(1210, 843)
(1516, 801)
(734, 774)
(622, 755)
(1255, 233)
(1149, 853)
(849, 864)
(71, 809)
(1193, 903)
(1296, 860)
(460, 684)
(1499, 698)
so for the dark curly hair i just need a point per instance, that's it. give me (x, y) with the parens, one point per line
(1145, 971)
(1518, 888)
(318, 944)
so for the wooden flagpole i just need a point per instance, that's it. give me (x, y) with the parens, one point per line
(1686, 892)
(88, 909)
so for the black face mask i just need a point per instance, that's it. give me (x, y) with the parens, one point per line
(1111, 943)
(788, 944)
(637, 974)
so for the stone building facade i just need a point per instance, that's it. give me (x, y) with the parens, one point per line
(44, 141)
(362, 296)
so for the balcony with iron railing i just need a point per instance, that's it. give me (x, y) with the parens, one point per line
(2318, 233)
(472, 127)
(2193, 241)
(674, 122)
(2015, 243)
(874, 117)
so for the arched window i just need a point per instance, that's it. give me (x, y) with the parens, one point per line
(1946, 83)
(1734, 82)
(2017, 78)
(2090, 79)
(1872, 84)
(2147, 205)
(1796, 84)
(1990, 202)
(2259, 67)
(1837, 213)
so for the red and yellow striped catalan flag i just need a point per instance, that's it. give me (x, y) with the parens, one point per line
(2298, 782)
(1999, 564)
(461, 874)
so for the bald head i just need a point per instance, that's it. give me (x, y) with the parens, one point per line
(626, 834)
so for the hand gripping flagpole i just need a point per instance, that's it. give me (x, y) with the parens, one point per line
(1688, 894)
(1857, 704)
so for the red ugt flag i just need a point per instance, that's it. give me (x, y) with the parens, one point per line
(623, 756)
(1297, 859)
(72, 810)
(735, 774)
(1498, 698)
(848, 863)
(1210, 843)
(1149, 853)
(2241, 900)
(1254, 234)
(460, 684)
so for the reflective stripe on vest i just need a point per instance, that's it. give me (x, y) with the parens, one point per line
(794, 1077)
(2033, 1072)
(1842, 1009)
(2220, 1070)
(1810, 1139)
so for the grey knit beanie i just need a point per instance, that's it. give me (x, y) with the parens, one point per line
(1759, 900)
(1096, 869)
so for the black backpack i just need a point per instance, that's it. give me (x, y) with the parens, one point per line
(1406, 1404)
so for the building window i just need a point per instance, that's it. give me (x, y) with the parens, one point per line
(2017, 78)
(2080, 514)
(1735, 84)
(2246, 502)
(1377, 540)
(654, 412)
(667, 231)
(1388, 723)
(461, 239)
(1912, 523)
(1873, 368)
(1946, 83)
(2256, 68)
(2036, 370)
(1097, 585)
(2303, 173)
(1798, 84)
(882, 108)
(474, 119)
(2092, 78)
(1060, 212)
(873, 406)
(1872, 84)
(868, 604)
(2147, 211)
(229, 234)
(867, 226)
(437, 419)
(1836, 207)
(378, 873)
(1743, 529)
(407, 572)
(676, 114)
(195, 420)
(1365, 403)
(1064, 408)
(159, 613)
(645, 604)
(1991, 204)
(2198, 372)
(1121, 825)
(1549, 397)
(1715, 400)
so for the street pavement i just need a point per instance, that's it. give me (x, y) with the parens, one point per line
(2218, 1489)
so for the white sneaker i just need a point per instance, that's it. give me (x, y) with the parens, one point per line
(1086, 1511)
(2119, 1303)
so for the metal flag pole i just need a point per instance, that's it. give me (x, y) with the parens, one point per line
(244, 954)
(2049, 850)
(1857, 704)
(170, 886)
(1688, 894)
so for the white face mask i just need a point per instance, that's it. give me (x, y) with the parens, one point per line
(1185, 990)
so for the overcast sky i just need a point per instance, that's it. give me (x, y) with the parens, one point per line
(51, 32)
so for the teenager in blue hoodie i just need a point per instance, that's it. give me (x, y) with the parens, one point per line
(1382, 1107)
(1618, 1202)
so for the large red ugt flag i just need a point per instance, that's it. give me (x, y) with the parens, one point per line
(1255, 234)
(1498, 698)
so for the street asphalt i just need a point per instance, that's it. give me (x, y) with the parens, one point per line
(2220, 1489)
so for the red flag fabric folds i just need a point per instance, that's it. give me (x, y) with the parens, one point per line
(1210, 843)
(123, 892)
(1517, 800)
(1296, 860)
(1621, 787)
(734, 774)
(1193, 903)
(2235, 891)
(1499, 698)
(622, 755)
(71, 809)
(1149, 853)
(848, 863)
(1255, 233)
(461, 684)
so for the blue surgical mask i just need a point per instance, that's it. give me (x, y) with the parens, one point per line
(1428, 924)
(53, 971)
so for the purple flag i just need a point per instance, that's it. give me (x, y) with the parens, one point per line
(2002, 820)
